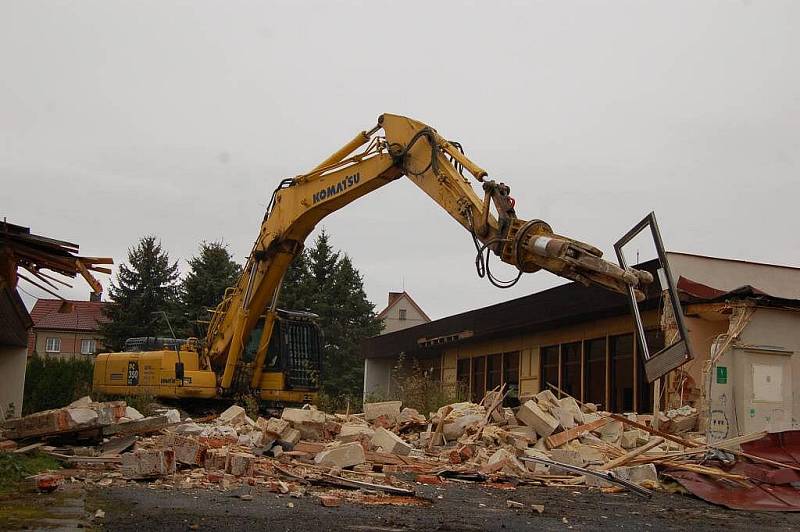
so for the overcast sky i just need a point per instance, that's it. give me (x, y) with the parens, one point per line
(120, 119)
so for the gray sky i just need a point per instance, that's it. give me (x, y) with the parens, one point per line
(119, 119)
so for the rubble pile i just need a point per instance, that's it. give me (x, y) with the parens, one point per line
(546, 440)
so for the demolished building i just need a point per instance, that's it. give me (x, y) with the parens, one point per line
(581, 340)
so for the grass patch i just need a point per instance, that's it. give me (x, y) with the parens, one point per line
(14, 468)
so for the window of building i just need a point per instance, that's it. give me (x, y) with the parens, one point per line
(621, 355)
(88, 347)
(594, 384)
(478, 378)
(511, 377)
(494, 371)
(571, 368)
(549, 366)
(53, 345)
(402, 314)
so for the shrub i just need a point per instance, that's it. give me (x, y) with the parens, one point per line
(55, 382)
(417, 388)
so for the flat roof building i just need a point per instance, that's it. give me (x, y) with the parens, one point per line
(581, 340)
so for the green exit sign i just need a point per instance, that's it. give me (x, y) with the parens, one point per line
(722, 375)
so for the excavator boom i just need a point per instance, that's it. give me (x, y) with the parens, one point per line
(437, 166)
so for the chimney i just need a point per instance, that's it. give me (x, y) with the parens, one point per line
(95, 296)
(394, 296)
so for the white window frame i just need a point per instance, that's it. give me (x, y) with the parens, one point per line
(403, 314)
(92, 346)
(55, 347)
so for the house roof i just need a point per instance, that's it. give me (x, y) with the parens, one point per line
(395, 298)
(68, 315)
(562, 305)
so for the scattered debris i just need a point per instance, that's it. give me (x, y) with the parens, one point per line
(547, 441)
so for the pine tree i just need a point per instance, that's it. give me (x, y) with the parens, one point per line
(325, 282)
(211, 271)
(146, 285)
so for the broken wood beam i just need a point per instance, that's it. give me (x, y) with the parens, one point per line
(656, 432)
(357, 484)
(627, 457)
(559, 439)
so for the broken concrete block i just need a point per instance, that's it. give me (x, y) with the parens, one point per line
(565, 419)
(354, 431)
(310, 422)
(173, 416)
(525, 431)
(389, 409)
(611, 432)
(547, 397)
(83, 402)
(410, 415)
(232, 416)
(638, 474)
(148, 463)
(591, 455)
(133, 414)
(536, 467)
(346, 455)
(531, 415)
(454, 429)
(628, 439)
(390, 442)
(291, 436)
(503, 460)
(298, 416)
(241, 464)
(187, 450)
(571, 405)
(566, 456)
(589, 408)
(82, 416)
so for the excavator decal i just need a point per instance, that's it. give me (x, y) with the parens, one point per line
(338, 188)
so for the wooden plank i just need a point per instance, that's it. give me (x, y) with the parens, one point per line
(556, 440)
(627, 457)
(670, 437)
(28, 448)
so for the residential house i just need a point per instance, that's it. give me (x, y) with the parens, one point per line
(400, 313)
(66, 328)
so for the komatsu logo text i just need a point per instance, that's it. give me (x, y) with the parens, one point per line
(336, 188)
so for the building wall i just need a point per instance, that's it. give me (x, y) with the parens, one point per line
(529, 347)
(70, 342)
(378, 376)
(754, 384)
(13, 362)
(392, 321)
(779, 281)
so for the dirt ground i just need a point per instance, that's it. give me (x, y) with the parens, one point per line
(453, 506)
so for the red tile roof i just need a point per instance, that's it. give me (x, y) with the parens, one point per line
(67, 315)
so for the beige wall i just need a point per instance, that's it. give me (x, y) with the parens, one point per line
(70, 342)
(529, 344)
(13, 362)
(724, 274)
(392, 321)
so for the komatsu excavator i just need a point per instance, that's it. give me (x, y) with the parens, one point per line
(252, 347)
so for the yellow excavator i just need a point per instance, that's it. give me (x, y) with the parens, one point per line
(253, 347)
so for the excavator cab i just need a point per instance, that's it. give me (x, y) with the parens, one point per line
(294, 356)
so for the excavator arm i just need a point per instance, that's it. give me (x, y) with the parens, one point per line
(437, 166)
